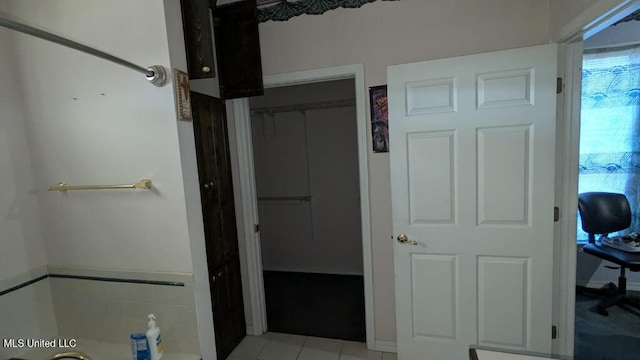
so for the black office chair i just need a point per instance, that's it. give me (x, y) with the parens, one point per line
(603, 213)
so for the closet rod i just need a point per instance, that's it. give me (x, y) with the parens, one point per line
(284, 199)
(304, 106)
(155, 74)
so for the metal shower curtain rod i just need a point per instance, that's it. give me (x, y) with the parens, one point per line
(155, 74)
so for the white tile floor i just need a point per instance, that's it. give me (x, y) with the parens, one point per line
(275, 346)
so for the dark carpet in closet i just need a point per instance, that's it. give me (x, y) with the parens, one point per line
(613, 337)
(322, 305)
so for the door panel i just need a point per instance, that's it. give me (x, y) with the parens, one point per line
(441, 323)
(503, 323)
(196, 20)
(441, 147)
(505, 88)
(218, 214)
(228, 309)
(214, 170)
(237, 45)
(431, 96)
(472, 173)
(501, 151)
(238, 49)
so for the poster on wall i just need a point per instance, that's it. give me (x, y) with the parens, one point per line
(379, 118)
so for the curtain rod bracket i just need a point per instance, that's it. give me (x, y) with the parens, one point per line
(159, 76)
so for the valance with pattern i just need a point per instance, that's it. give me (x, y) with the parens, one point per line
(283, 10)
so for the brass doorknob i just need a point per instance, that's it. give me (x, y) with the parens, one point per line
(404, 239)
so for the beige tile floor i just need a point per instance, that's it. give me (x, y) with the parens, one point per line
(275, 346)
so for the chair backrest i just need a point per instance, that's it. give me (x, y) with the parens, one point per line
(603, 213)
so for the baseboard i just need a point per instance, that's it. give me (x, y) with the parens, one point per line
(633, 286)
(385, 346)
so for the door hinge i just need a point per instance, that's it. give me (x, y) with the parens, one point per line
(559, 85)
(554, 332)
(556, 214)
(256, 228)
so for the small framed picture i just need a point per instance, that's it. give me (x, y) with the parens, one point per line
(183, 96)
(379, 118)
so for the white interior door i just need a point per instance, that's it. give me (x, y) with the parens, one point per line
(472, 174)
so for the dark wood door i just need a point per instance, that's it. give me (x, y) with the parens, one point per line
(237, 45)
(238, 49)
(218, 211)
(198, 40)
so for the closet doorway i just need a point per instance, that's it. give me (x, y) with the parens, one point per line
(305, 153)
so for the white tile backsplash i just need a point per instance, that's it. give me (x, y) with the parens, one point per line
(100, 350)
(22, 278)
(27, 313)
(111, 311)
(98, 310)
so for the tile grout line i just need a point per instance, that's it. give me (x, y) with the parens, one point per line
(302, 346)
(261, 349)
(305, 342)
(341, 347)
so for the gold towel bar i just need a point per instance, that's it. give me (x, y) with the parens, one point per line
(142, 184)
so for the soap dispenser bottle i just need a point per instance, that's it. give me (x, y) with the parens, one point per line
(153, 339)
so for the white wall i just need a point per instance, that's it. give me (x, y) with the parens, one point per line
(388, 33)
(22, 246)
(27, 312)
(90, 121)
(312, 154)
(563, 12)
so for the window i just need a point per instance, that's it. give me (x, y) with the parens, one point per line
(610, 125)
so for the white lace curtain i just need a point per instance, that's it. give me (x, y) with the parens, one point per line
(610, 125)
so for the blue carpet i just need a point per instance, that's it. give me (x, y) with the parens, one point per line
(613, 337)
